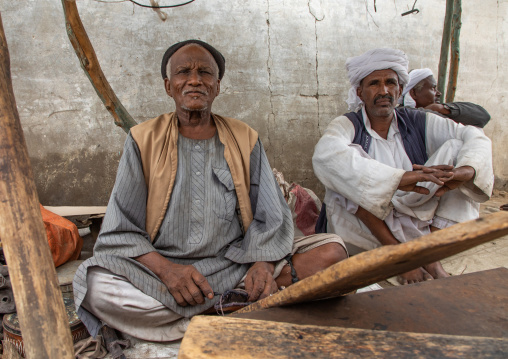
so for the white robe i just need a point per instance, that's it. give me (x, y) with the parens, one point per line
(353, 178)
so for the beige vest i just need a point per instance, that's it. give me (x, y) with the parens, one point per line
(157, 143)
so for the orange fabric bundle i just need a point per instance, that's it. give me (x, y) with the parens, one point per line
(63, 237)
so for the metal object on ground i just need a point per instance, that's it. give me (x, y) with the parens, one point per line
(13, 335)
(7, 304)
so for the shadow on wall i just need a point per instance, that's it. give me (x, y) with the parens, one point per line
(88, 177)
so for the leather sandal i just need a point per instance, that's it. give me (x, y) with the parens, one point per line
(90, 348)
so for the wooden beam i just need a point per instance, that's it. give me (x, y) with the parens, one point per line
(42, 316)
(381, 263)
(455, 51)
(445, 47)
(225, 337)
(482, 310)
(90, 64)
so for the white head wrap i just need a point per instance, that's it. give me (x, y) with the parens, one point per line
(415, 76)
(359, 67)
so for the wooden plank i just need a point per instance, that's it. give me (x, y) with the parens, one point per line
(225, 337)
(381, 263)
(39, 302)
(474, 304)
(445, 48)
(67, 211)
(90, 64)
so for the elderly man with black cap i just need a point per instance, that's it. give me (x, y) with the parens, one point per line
(195, 212)
(395, 174)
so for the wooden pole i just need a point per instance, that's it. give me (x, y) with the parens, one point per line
(455, 51)
(90, 64)
(445, 47)
(42, 317)
(381, 263)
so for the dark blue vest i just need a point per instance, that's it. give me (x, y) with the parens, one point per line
(411, 125)
(412, 129)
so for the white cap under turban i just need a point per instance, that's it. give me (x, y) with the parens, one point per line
(359, 67)
(415, 76)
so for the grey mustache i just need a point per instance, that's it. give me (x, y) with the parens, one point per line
(383, 96)
(198, 91)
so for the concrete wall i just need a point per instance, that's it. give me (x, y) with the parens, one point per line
(285, 74)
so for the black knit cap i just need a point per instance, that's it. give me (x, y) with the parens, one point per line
(219, 59)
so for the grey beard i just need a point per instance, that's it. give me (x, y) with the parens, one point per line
(195, 110)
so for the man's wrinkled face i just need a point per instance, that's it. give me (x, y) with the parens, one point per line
(380, 91)
(425, 92)
(193, 79)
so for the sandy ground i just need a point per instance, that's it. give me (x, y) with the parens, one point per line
(487, 256)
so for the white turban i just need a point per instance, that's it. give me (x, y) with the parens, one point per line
(359, 67)
(415, 77)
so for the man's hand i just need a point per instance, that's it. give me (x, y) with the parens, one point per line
(461, 175)
(438, 107)
(259, 282)
(184, 282)
(437, 174)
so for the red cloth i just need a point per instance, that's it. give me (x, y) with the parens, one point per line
(306, 210)
(63, 237)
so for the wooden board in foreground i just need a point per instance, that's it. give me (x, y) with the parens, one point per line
(474, 304)
(225, 337)
(381, 263)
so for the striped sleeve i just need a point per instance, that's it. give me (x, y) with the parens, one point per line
(123, 229)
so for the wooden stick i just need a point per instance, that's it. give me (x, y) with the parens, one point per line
(226, 337)
(455, 51)
(86, 54)
(381, 263)
(42, 316)
(10, 351)
(445, 47)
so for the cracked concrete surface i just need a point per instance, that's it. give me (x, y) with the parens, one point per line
(284, 76)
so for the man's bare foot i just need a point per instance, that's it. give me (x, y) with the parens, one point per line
(436, 270)
(434, 229)
(414, 276)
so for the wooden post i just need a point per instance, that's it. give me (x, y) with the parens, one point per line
(445, 47)
(86, 54)
(42, 317)
(455, 51)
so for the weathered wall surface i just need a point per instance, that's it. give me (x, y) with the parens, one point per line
(285, 74)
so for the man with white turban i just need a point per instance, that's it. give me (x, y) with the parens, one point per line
(395, 174)
(421, 92)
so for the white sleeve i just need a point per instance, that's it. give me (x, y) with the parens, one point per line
(476, 152)
(344, 170)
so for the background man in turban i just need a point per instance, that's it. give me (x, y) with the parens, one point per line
(421, 92)
(394, 174)
(195, 212)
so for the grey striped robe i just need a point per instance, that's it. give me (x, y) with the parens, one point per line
(200, 228)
